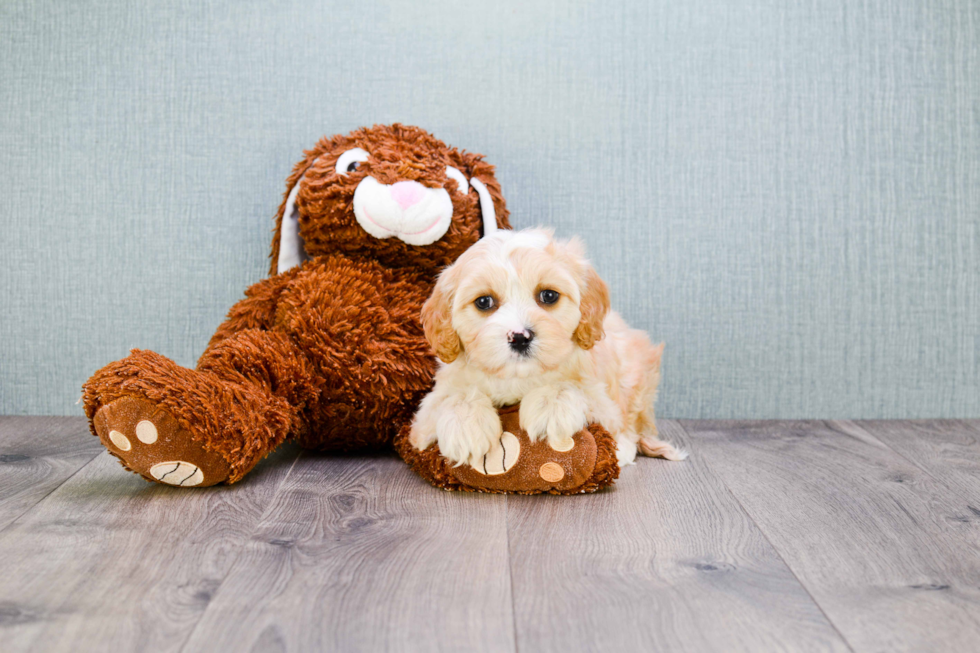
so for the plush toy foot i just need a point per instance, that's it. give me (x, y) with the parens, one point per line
(516, 465)
(150, 442)
(181, 426)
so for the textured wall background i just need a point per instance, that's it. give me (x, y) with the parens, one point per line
(788, 195)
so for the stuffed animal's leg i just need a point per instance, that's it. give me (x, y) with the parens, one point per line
(205, 426)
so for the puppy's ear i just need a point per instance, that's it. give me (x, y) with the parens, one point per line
(437, 318)
(594, 306)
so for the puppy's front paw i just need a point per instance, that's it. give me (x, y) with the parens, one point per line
(553, 413)
(467, 428)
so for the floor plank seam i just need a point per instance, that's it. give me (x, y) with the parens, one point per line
(231, 566)
(510, 572)
(952, 490)
(44, 498)
(775, 549)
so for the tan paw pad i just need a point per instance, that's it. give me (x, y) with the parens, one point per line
(551, 472)
(501, 457)
(565, 445)
(177, 472)
(146, 432)
(121, 441)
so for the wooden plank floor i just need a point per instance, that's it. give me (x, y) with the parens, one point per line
(773, 536)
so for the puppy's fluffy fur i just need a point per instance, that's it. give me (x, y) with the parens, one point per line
(502, 340)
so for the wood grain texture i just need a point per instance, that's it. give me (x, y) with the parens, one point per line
(359, 554)
(792, 536)
(666, 560)
(889, 553)
(948, 450)
(37, 454)
(110, 559)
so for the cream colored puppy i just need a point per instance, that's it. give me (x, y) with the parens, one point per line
(522, 317)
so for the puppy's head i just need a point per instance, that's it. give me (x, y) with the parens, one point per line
(518, 303)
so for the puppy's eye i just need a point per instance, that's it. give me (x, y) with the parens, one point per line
(350, 160)
(548, 296)
(484, 303)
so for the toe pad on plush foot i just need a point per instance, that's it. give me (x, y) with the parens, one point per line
(149, 441)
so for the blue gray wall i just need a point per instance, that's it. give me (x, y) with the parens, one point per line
(787, 193)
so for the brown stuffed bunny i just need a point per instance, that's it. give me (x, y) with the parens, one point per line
(329, 349)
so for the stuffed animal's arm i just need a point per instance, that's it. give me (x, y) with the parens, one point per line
(257, 310)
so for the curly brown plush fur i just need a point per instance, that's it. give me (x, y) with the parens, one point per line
(330, 353)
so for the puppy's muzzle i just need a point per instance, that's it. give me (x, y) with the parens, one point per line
(520, 341)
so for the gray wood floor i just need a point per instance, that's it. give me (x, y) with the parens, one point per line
(774, 536)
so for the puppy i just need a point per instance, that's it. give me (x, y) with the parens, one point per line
(522, 317)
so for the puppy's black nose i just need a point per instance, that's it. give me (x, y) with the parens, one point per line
(520, 341)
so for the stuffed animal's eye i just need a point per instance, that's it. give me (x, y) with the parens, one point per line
(350, 160)
(459, 178)
(548, 296)
(484, 303)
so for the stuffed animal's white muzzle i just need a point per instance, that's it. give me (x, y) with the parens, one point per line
(406, 210)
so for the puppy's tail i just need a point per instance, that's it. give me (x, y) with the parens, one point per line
(649, 444)
(656, 448)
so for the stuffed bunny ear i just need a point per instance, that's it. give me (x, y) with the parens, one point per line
(292, 251)
(486, 207)
(482, 179)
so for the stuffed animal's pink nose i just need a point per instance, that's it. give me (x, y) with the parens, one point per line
(407, 193)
